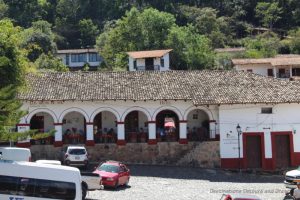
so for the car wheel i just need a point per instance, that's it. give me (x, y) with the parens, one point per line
(127, 182)
(84, 191)
(116, 184)
(67, 162)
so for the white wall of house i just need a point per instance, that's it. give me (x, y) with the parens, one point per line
(141, 63)
(73, 120)
(285, 117)
(109, 121)
(261, 69)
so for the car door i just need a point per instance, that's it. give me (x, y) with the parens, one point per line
(124, 174)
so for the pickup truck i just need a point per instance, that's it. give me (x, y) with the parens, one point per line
(291, 177)
(89, 180)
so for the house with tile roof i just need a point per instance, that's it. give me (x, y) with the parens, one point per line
(281, 66)
(75, 59)
(154, 60)
(137, 115)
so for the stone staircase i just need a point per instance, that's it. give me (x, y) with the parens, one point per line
(204, 154)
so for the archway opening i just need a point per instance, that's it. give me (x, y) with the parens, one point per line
(197, 125)
(136, 127)
(105, 127)
(167, 125)
(42, 122)
(74, 128)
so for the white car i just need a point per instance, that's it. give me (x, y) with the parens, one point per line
(291, 177)
(75, 156)
(15, 153)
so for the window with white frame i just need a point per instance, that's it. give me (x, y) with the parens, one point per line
(94, 57)
(78, 57)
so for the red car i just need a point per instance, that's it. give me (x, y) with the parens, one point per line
(113, 173)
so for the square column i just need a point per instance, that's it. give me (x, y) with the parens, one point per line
(152, 132)
(291, 71)
(58, 135)
(23, 128)
(212, 129)
(121, 133)
(183, 132)
(90, 134)
(274, 72)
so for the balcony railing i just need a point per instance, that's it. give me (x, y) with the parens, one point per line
(148, 68)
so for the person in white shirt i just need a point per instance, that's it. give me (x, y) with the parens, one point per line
(297, 192)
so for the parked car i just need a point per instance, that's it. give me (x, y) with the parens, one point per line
(75, 156)
(239, 197)
(15, 153)
(113, 173)
(291, 177)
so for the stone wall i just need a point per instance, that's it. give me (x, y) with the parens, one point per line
(199, 154)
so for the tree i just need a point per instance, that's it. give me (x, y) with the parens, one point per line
(88, 33)
(207, 23)
(137, 30)
(190, 50)
(39, 39)
(3, 9)
(26, 11)
(50, 63)
(262, 46)
(268, 13)
(13, 62)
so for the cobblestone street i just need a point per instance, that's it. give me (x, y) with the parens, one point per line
(154, 182)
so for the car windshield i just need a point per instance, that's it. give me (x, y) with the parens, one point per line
(76, 151)
(109, 168)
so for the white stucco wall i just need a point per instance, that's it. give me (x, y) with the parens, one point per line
(285, 117)
(261, 69)
(156, 61)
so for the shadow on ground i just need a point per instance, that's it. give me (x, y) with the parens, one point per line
(212, 175)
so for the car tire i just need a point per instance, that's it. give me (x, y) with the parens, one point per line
(67, 162)
(127, 183)
(84, 191)
(116, 184)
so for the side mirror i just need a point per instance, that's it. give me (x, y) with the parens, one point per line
(95, 168)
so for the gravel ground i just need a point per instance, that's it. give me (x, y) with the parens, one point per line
(168, 183)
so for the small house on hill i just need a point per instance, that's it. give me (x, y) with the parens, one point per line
(155, 60)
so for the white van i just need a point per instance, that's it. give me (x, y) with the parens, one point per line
(32, 181)
(15, 153)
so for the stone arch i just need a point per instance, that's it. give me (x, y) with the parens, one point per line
(204, 109)
(172, 108)
(39, 110)
(136, 108)
(73, 109)
(102, 109)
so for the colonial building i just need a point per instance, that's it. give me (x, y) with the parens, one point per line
(284, 66)
(175, 108)
(158, 60)
(75, 59)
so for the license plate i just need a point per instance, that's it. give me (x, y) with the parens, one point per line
(77, 157)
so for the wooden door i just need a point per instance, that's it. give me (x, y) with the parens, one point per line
(149, 63)
(253, 152)
(282, 152)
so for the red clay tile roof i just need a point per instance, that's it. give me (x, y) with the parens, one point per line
(277, 61)
(199, 87)
(230, 50)
(148, 54)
